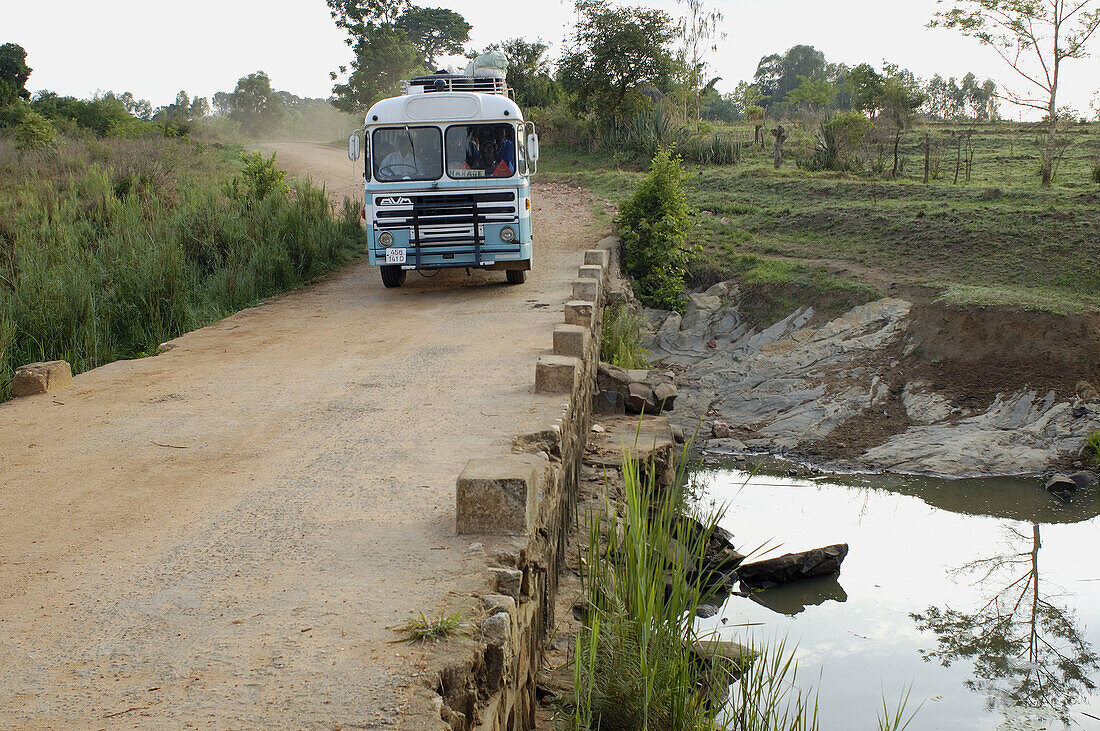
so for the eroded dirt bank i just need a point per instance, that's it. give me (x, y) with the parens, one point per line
(901, 384)
(224, 534)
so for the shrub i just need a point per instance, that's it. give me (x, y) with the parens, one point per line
(259, 179)
(1096, 172)
(654, 224)
(35, 132)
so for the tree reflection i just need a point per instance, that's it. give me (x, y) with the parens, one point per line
(1026, 649)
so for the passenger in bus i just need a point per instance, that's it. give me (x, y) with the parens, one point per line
(507, 166)
(489, 156)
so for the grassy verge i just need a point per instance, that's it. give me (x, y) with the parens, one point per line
(999, 239)
(621, 338)
(110, 247)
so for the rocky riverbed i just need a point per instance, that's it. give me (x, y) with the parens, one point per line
(891, 385)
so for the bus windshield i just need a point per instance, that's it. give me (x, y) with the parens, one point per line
(407, 153)
(481, 151)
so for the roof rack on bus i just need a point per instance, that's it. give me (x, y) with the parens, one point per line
(456, 82)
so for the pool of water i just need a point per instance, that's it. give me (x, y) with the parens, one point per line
(982, 596)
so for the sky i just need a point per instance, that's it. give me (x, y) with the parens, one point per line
(155, 49)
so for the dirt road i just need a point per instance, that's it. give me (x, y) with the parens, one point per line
(222, 535)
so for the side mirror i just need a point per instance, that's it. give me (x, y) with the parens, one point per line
(353, 146)
(533, 147)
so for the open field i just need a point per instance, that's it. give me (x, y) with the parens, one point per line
(1001, 239)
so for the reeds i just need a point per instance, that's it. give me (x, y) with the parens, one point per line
(109, 248)
(635, 665)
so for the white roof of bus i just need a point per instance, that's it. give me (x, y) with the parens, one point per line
(443, 106)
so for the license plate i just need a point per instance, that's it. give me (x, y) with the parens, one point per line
(395, 256)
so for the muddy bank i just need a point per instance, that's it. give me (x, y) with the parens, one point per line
(897, 384)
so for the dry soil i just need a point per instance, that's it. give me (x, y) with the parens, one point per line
(224, 535)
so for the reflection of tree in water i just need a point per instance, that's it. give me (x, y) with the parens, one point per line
(1026, 649)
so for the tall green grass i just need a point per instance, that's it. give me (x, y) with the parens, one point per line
(1090, 452)
(621, 338)
(109, 248)
(634, 665)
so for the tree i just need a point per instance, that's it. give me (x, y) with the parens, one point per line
(435, 31)
(140, 108)
(779, 74)
(357, 16)
(614, 52)
(529, 73)
(901, 98)
(1034, 38)
(384, 57)
(814, 95)
(866, 86)
(698, 29)
(14, 73)
(199, 108)
(255, 105)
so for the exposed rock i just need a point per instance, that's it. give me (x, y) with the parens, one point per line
(706, 611)
(1084, 479)
(991, 194)
(678, 434)
(36, 378)
(792, 384)
(729, 445)
(774, 377)
(1086, 391)
(721, 555)
(730, 658)
(734, 652)
(720, 430)
(608, 403)
(792, 567)
(1062, 483)
(700, 308)
(640, 399)
(1016, 435)
(651, 392)
(495, 603)
(924, 406)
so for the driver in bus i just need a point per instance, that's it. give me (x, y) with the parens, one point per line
(402, 163)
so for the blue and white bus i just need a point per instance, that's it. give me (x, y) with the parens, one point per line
(447, 174)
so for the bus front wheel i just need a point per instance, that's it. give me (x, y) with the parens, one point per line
(516, 276)
(393, 276)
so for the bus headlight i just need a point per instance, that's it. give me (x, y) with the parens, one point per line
(385, 239)
(507, 234)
